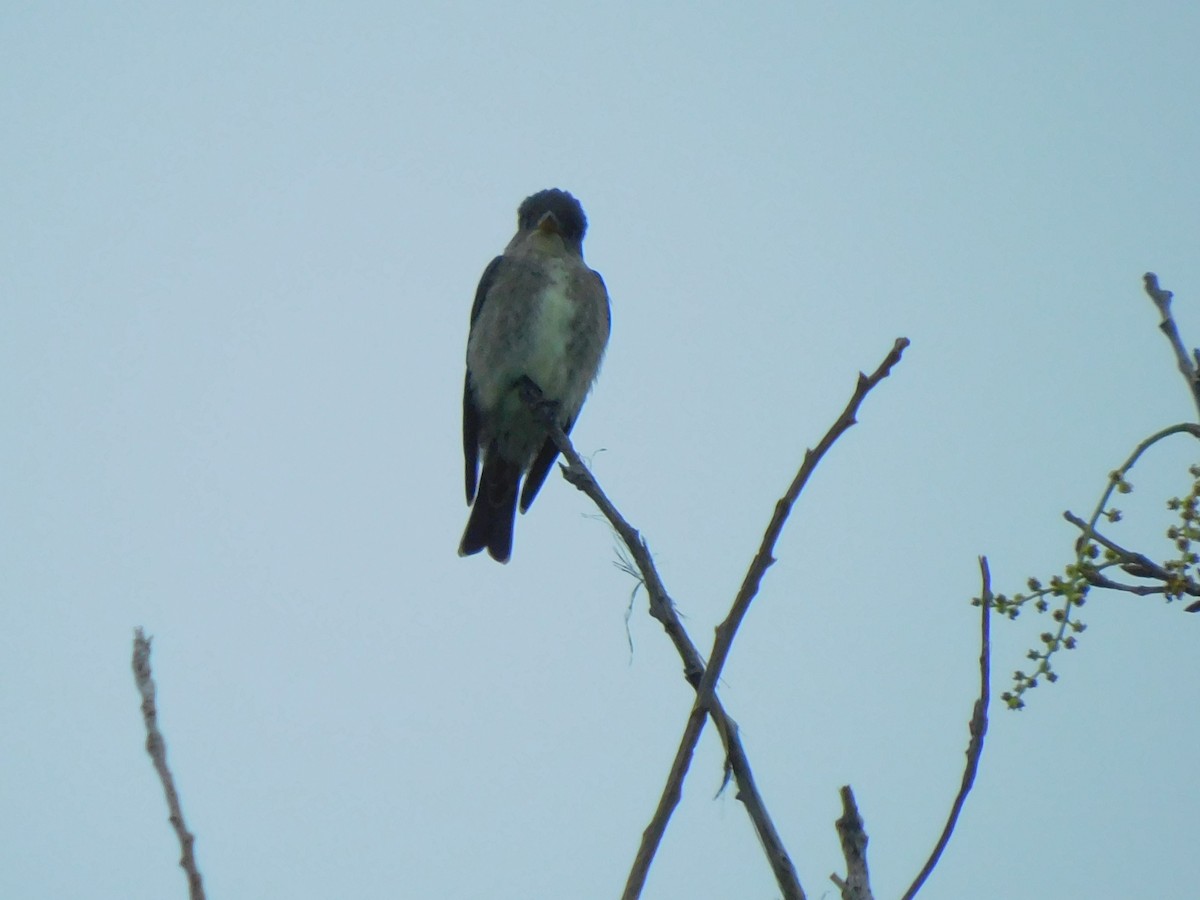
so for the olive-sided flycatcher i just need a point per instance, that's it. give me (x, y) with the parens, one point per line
(540, 315)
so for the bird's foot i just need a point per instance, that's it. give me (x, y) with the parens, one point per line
(533, 397)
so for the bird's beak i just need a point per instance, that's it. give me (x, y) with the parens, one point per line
(548, 224)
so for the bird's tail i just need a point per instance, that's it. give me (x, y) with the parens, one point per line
(492, 516)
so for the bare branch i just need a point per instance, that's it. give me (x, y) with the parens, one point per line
(662, 609)
(706, 694)
(978, 727)
(156, 746)
(857, 883)
(747, 792)
(696, 673)
(1162, 300)
(727, 630)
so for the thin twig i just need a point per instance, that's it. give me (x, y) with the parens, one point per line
(706, 692)
(156, 746)
(1136, 564)
(663, 609)
(978, 726)
(1095, 579)
(857, 883)
(1143, 563)
(747, 792)
(727, 630)
(706, 700)
(1115, 479)
(1162, 300)
(695, 671)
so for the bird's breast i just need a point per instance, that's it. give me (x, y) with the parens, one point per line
(551, 328)
(527, 328)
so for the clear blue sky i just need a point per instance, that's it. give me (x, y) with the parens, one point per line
(238, 247)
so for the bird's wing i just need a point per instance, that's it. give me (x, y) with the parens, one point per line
(470, 439)
(607, 305)
(471, 416)
(485, 284)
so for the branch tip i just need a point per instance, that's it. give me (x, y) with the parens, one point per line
(156, 747)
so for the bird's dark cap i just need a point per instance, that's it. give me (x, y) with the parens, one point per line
(572, 223)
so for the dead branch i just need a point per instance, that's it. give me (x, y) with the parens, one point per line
(663, 609)
(156, 746)
(727, 630)
(857, 883)
(1186, 362)
(704, 678)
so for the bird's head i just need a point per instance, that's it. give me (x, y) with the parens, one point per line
(554, 213)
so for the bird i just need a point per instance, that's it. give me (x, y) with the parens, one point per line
(541, 319)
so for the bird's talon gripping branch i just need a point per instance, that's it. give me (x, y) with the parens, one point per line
(532, 396)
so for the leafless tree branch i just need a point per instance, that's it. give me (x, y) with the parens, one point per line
(663, 609)
(704, 678)
(857, 883)
(1185, 361)
(727, 630)
(706, 691)
(156, 746)
(978, 728)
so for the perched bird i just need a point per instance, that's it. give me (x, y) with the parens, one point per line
(541, 316)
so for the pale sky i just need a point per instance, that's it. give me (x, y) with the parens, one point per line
(238, 249)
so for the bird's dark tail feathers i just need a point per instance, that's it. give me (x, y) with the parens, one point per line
(491, 522)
